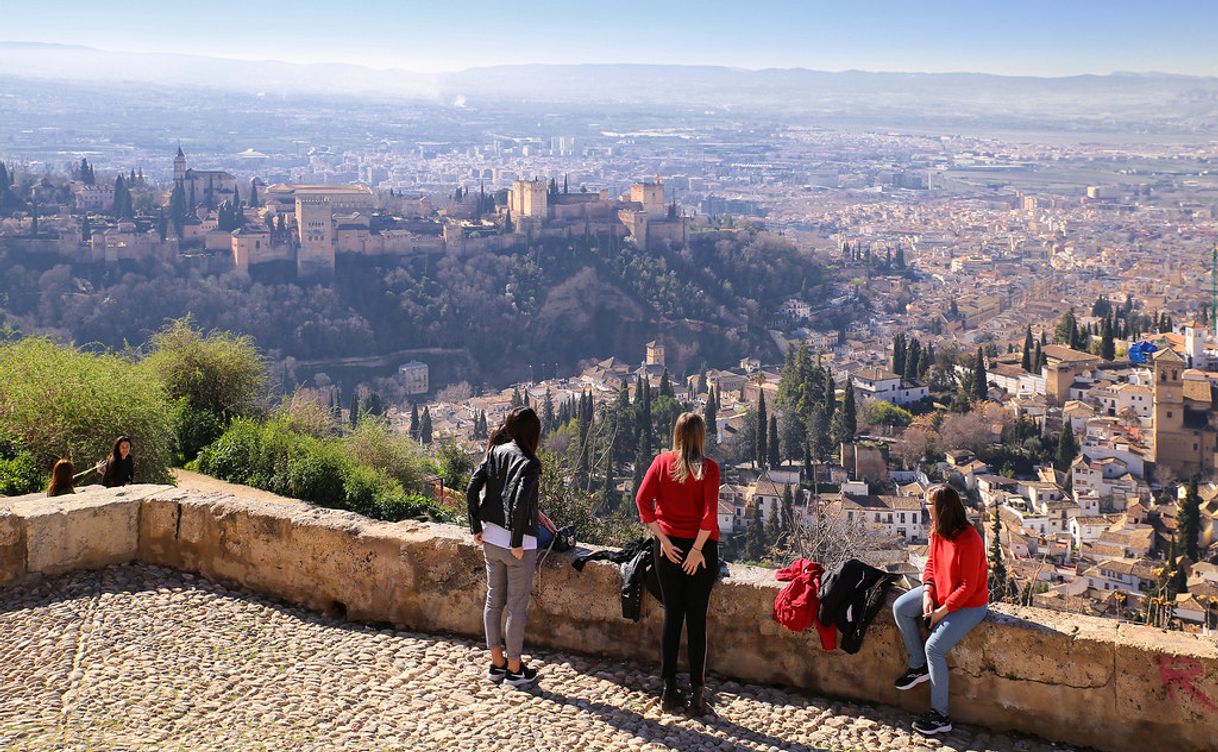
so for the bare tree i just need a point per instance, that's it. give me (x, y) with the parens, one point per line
(825, 536)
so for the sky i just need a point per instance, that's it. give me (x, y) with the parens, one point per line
(1024, 37)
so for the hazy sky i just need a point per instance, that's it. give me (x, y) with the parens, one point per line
(1034, 37)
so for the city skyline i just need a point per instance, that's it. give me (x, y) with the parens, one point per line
(1034, 39)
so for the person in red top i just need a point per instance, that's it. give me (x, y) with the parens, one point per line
(679, 501)
(952, 600)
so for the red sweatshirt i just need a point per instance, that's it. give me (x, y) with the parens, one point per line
(682, 509)
(956, 571)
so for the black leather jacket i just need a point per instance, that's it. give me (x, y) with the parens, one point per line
(510, 476)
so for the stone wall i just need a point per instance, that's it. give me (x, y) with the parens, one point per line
(1071, 678)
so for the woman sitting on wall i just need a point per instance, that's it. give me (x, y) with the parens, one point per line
(119, 468)
(952, 600)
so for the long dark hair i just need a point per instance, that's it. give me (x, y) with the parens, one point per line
(522, 426)
(61, 478)
(950, 517)
(115, 456)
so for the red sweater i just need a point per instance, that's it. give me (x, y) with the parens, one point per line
(956, 571)
(682, 509)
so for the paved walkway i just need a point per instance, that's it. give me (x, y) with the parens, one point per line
(142, 658)
(200, 482)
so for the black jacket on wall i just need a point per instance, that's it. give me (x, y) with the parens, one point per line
(850, 597)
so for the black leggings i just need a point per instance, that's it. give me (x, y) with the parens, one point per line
(686, 598)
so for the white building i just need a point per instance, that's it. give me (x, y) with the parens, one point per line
(881, 384)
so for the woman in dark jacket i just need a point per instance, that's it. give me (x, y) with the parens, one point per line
(503, 516)
(119, 468)
(62, 481)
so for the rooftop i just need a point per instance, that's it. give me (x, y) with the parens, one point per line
(142, 657)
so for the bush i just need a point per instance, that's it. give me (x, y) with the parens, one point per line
(18, 470)
(62, 402)
(372, 443)
(193, 428)
(317, 472)
(273, 457)
(220, 373)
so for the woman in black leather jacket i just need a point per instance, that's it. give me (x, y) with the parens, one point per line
(503, 516)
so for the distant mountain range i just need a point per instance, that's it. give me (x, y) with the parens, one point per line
(1119, 101)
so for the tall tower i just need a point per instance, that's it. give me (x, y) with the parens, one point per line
(315, 219)
(179, 166)
(1176, 447)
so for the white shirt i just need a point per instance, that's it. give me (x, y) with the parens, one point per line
(502, 537)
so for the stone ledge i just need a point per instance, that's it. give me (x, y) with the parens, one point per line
(1070, 678)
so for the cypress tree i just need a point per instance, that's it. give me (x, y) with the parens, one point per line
(547, 412)
(898, 354)
(86, 232)
(425, 426)
(761, 421)
(998, 569)
(1067, 448)
(773, 457)
(913, 355)
(1107, 345)
(354, 409)
(414, 421)
(710, 416)
(254, 195)
(665, 385)
(829, 398)
(1038, 360)
(1026, 362)
(754, 541)
(1188, 526)
(981, 388)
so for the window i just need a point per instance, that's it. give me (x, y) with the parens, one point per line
(1169, 413)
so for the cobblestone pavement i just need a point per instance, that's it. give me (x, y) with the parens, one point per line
(143, 658)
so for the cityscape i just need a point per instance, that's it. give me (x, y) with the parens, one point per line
(333, 282)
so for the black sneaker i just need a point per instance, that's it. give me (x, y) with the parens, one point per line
(497, 674)
(912, 678)
(673, 700)
(933, 723)
(522, 678)
(698, 706)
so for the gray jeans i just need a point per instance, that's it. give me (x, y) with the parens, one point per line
(509, 584)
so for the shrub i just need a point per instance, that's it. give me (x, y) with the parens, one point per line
(193, 428)
(63, 402)
(18, 470)
(317, 472)
(374, 444)
(411, 507)
(273, 457)
(220, 373)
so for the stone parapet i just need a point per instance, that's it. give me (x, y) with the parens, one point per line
(1065, 677)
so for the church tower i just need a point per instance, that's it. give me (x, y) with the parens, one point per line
(1176, 445)
(179, 166)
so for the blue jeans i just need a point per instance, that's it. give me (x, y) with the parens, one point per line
(950, 630)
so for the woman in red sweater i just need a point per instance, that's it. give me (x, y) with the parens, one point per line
(679, 500)
(952, 600)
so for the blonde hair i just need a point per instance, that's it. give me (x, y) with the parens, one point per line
(688, 438)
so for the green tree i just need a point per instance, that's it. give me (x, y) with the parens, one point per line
(791, 435)
(999, 580)
(1026, 362)
(425, 427)
(220, 373)
(1066, 332)
(1188, 526)
(774, 455)
(761, 422)
(754, 540)
(1067, 449)
(353, 417)
(844, 424)
(1107, 344)
(414, 421)
(981, 386)
(62, 402)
